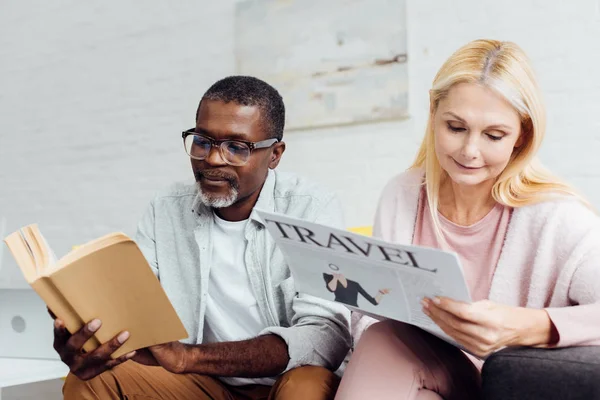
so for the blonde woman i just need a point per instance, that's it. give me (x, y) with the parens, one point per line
(529, 245)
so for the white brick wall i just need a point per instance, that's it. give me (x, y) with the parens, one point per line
(93, 96)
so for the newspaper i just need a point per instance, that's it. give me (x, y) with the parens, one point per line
(371, 276)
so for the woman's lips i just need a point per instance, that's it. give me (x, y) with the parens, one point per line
(466, 167)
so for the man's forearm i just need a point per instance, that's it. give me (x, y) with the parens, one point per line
(254, 358)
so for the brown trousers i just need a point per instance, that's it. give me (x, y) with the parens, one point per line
(133, 381)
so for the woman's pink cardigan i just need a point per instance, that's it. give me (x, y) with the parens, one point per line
(550, 258)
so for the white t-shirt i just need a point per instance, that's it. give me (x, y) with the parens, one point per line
(231, 307)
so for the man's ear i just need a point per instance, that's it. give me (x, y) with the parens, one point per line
(276, 153)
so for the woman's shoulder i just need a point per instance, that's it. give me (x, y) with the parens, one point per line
(398, 202)
(407, 183)
(563, 215)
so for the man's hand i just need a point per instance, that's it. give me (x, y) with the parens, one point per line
(87, 365)
(262, 356)
(171, 356)
(484, 327)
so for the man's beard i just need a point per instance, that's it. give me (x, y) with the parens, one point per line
(217, 201)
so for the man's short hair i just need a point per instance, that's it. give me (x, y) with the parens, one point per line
(250, 91)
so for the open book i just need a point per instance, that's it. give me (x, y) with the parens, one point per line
(107, 278)
(371, 276)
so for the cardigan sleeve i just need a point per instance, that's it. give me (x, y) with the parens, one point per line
(579, 324)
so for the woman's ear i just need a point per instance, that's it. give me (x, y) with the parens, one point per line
(519, 141)
(526, 130)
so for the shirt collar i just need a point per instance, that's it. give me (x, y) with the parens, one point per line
(266, 198)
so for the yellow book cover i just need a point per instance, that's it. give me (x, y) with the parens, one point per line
(107, 278)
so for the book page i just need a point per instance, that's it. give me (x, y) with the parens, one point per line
(341, 266)
(22, 246)
(50, 255)
(37, 246)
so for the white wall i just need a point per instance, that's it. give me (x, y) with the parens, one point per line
(93, 96)
(563, 40)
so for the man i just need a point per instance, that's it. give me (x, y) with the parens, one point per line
(251, 335)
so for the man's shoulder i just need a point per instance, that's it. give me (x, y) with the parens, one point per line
(288, 185)
(298, 196)
(176, 193)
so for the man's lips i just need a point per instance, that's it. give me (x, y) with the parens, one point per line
(214, 176)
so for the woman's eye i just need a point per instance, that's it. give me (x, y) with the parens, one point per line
(456, 128)
(493, 137)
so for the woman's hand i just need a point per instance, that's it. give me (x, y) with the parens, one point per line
(484, 327)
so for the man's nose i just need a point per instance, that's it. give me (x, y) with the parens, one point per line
(214, 157)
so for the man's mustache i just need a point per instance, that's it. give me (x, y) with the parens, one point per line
(216, 174)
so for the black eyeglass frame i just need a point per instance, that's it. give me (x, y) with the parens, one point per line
(218, 143)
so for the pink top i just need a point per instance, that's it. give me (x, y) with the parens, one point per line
(478, 246)
(550, 257)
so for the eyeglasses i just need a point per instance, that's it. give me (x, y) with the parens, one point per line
(233, 152)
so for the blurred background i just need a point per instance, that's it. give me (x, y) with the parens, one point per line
(94, 96)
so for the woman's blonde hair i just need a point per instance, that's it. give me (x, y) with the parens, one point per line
(504, 68)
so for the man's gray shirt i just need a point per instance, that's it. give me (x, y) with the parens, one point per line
(175, 236)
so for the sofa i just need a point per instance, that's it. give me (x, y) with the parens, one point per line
(571, 373)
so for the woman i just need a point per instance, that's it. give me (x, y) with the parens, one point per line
(346, 291)
(529, 245)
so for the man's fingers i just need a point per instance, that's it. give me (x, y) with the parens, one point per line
(144, 356)
(125, 357)
(78, 339)
(61, 334)
(93, 365)
(103, 353)
(88, 372)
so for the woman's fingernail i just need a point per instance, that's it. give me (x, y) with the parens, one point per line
(437, 300)
(94, 325)
(123, 336)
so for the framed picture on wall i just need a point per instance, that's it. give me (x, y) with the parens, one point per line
(335, 62)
